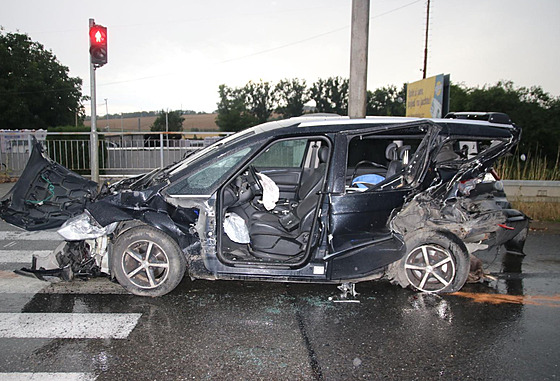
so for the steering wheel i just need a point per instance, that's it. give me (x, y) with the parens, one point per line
(255, 182)
(364, 162)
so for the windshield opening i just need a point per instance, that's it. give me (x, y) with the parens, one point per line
(197, 155)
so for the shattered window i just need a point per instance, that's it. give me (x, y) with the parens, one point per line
(206, 178)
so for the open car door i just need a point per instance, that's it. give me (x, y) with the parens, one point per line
(46, 194)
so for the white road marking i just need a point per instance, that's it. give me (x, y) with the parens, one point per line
(13, 243)
(47, 376)
(30, 236)
(67, 325)
(21, 256)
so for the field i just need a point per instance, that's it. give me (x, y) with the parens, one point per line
(199, 122)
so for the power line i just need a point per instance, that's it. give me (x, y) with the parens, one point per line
(265, 51)
(315, 36)
(274, 48)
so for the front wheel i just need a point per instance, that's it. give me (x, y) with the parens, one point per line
(147, 262)
(435, 263)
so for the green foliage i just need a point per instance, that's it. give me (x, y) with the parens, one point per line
(291, 96)
(386, 101)
(35, 89)
(233, 114)
(531, 108)
(331, 95)
(174, 122)
(259, 100)
(535, 111)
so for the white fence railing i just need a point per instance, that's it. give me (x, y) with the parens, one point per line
(120, 154)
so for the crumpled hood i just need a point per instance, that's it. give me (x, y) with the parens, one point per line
(46, 194)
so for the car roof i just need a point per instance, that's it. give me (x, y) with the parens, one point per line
(342, 123)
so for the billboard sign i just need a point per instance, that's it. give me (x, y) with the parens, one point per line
(427, 98)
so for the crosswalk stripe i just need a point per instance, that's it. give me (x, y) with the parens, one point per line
(30, 236)
(67, 325)
(21, 256)
(42, 376)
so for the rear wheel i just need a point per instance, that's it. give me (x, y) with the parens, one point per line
(435, 263)
(147, 262)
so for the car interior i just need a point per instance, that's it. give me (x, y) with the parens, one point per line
(377, 162)
(290, 173)
(293, 169)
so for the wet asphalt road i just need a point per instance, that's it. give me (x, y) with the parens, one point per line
(505, 330)
(248, 330)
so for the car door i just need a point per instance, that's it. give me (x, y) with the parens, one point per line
(361, 240)
(46, 194)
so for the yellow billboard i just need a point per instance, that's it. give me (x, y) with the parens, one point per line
(424, 99)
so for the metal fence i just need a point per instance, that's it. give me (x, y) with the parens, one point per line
(120, 154)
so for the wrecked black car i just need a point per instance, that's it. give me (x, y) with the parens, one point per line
(322, 199)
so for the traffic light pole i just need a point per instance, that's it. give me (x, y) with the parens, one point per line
(93, 139)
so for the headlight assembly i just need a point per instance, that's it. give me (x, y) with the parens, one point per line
(84, 226)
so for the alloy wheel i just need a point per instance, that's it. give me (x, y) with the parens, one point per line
(430, 268)
(145, 264)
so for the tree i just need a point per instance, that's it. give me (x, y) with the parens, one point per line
(174, 122)
(232, 112)
(331, 95)
(35, 89)
(259, 100)
(531, 108)
(386, 101)
(291, 95)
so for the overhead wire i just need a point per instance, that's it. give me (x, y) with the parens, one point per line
(264, 51)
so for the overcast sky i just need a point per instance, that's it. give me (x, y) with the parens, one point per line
(174, 54)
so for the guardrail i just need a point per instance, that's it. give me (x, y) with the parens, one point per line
(532, 190)
(120, 154)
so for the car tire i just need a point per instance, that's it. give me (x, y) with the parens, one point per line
(147, 262)
(436, 262)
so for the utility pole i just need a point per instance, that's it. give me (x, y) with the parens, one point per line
(426, 42)
(357, 91)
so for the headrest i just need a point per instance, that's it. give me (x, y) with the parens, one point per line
(391, 152)
(323, 154)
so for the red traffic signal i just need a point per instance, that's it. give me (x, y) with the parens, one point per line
(98, 45)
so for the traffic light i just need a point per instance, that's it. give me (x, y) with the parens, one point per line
(98, 45)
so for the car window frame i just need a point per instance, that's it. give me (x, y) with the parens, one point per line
(432, 135)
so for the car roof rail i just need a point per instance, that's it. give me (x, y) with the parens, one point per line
(493, 117)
